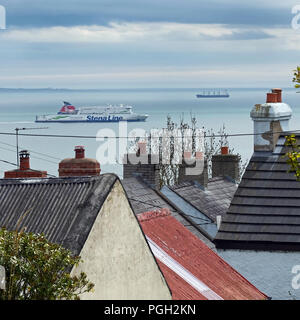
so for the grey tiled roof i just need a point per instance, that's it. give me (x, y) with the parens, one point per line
(212, 201)
(143, 199)
(265, 211)
(64, 209)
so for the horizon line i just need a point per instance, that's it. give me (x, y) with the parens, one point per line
(141, 88)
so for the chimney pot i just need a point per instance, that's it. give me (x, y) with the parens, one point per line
(187, 155)
(224, 150)
(278, 91)
(142, 147)
(199, 155)
(272, 97)
(24, 160)
(79, 152)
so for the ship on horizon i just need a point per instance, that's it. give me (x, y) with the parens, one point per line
(109, 113)
(213, 93)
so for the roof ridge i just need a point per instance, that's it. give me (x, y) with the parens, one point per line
(56, 180)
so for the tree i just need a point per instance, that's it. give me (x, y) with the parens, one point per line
(212, 145)
(37, 269)
(297, 77)
(290, 141)
(293, 155)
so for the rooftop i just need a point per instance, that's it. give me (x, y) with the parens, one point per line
(265, 211)
(192, 269)
(212, 201)
(64, 209)
(144, 198)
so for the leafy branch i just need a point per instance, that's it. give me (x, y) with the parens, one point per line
(293, 155)
(297, 77)
(37, 269)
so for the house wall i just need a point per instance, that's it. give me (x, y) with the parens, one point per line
(270, 272)
(117, 258)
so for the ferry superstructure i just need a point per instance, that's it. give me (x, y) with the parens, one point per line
(109, 113)
(213, 93)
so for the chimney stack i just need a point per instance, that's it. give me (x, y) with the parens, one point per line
(79, 166)
(225, 165)
(24, 160)
(142, 148)
(197, 164)
(24, 171)
(144, 165)
(269, 120)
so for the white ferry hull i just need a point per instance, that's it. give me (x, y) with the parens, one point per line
(63, 118)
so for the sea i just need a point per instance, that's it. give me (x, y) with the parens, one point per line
(19, 107)
(271, 273)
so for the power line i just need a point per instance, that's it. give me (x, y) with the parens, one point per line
(17, 139)
(6, 149)
(40, 153)
(135, 137)
(14, 164)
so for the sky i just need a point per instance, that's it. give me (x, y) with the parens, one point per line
(149, 43)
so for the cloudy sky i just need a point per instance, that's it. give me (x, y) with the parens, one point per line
(148, 43)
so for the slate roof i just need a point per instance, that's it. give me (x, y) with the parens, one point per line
(144, 198)
(64, 209)
(212, 201)
(192, 270)
(265, 211)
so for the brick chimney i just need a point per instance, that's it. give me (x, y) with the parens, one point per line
(225, 165)
(24, 170)
(79, 166)
(142, 164)
(199, 175)
(279, 94)
(269, 119)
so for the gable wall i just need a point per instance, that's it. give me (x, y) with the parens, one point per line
(116, 256)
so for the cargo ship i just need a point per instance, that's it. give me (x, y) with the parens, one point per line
(213, 93)
(109, 113)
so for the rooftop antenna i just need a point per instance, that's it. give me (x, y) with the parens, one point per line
(17, 140)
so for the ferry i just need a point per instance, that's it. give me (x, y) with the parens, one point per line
(213, 93)
(109, 113)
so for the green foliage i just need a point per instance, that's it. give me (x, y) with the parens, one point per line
(37, 269)
(297, 77)
(293, 155)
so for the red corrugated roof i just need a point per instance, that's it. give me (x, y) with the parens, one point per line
(197, 258)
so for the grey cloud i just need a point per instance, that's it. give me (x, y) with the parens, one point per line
(29, 13)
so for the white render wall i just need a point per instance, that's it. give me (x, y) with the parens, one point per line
(262, 116)
(270, 272)
(117, 258)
